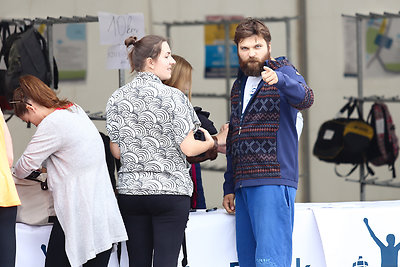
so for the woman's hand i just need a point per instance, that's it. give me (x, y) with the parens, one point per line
(192, 147)
(221, 137)
(208, 137)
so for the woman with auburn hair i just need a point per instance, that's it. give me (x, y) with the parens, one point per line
(151, 127)
(68, 144)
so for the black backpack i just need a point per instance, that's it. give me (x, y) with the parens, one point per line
(344, 139)
(25, 52)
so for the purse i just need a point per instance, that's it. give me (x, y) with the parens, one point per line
(37, 207)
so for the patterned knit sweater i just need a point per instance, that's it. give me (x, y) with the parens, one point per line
(262, 144)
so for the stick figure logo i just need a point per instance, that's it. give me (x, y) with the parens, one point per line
(389, 253)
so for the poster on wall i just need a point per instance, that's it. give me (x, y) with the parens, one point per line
(70, 50)
(380, 46)
(114, 29)
(214, 39)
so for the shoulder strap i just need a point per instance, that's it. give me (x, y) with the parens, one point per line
(5, 31)
(369, 116)
(43, 46)
(356, 105)
(350, 106)
(393, 169)
(45, 51)
(369, 170)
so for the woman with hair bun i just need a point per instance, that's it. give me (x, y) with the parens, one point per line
(151, 127)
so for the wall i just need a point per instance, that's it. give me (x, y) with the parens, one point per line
(325, 69)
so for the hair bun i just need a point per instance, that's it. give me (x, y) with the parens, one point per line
(131, 40)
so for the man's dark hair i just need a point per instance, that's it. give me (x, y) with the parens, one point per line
(249, 27)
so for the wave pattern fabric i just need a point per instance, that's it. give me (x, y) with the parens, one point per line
(149, 120)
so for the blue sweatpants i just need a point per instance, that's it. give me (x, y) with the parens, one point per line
(264, 225)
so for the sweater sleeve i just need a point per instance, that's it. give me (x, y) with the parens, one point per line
(229, 186)
(293, 85)
(44, 142)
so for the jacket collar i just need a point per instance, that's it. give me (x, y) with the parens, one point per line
(148, 76)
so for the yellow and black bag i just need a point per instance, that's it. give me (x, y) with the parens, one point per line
(344, 140)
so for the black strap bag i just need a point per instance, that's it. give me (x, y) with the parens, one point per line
(344, 140)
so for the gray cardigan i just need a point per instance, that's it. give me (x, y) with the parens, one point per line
(84, 201)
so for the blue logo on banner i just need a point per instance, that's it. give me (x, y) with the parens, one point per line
(298, 263)
(232, 264)
(389, 253)
(236, 264)
(360, 263)
(43, 248)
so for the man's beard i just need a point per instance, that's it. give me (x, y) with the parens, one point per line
(253, 67)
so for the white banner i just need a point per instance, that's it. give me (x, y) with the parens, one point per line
(324, 235)
(210, 241)
(346, 238)
(307, 246)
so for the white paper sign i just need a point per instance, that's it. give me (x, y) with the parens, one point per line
(114, 29)
(117, 57)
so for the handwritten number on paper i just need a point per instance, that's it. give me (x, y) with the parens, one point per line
(122, 26)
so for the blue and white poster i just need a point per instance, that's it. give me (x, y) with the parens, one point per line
(214, 36)
(380, 46)
(70, 50)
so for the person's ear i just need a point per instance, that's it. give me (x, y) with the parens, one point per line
(150, 63)
(29, 107)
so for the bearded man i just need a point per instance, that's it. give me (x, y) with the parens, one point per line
(262, 149)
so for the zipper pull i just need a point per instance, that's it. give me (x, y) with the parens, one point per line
(240, 129)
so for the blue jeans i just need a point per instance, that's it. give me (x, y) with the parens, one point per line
(264, 225)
